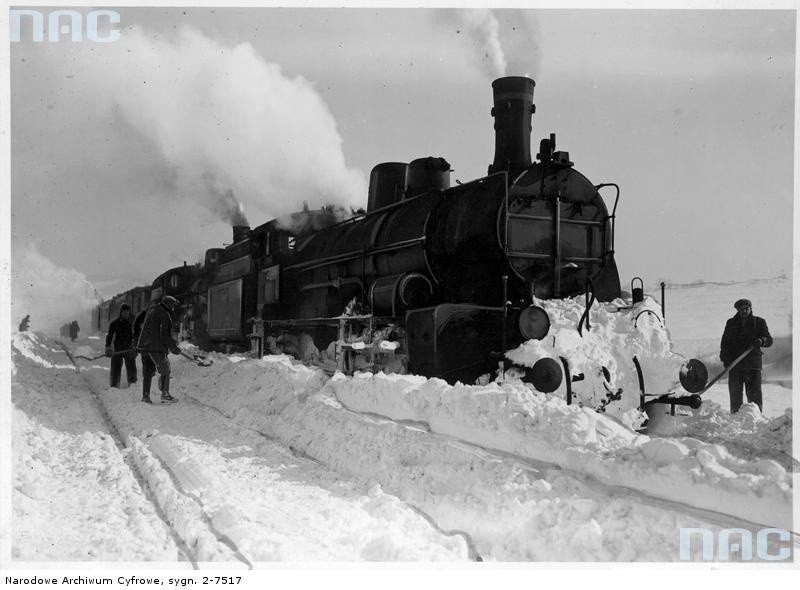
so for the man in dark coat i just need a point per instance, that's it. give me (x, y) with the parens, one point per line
(743, 331)
(119, 338)
(155, 342)
(74, 328)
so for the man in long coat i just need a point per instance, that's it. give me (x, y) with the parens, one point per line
(155, 343)
(744, 332)
(119, 339)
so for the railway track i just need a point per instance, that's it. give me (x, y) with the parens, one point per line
(141, 480)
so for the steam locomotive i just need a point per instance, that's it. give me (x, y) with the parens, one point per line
(432, 279)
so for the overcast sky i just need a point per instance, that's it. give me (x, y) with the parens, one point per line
(129, 157)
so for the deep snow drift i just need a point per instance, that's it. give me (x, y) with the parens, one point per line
(267, 459)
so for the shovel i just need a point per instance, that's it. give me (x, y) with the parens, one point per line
(99, 356)
(200, 361)
(727, 369)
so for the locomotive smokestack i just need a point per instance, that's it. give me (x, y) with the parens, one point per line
(513, 107)
(240, 232)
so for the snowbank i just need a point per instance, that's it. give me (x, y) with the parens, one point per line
(513, 419)
(616, 333)
(430, 454)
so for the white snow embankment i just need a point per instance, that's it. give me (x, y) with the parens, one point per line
(512, 418)
(512, 508)
(747, 433)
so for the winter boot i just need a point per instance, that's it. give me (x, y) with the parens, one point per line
(146, 389)
(166, 398)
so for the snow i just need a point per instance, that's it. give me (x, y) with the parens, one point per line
(617, 332)
(75, 496)
(226, 493)
(268, 460)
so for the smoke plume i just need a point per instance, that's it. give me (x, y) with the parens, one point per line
(219, 112)
(50, 294)
(225, 204)
(483, 32)
(305, 221)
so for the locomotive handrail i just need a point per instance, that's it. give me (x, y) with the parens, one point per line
(613, 215)
(355, 254)
(518, 254)
(583, 258)
(549, 218)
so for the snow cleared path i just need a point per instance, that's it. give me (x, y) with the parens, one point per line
(230, 494)
(75, 496)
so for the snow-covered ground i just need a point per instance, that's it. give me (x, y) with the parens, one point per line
(266, 459)
(188, 485)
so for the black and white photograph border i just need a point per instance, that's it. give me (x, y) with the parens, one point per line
(399, 292)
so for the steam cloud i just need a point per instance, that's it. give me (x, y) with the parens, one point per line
(305, 221)
(235, 129)
(50, 294)
(483, 30)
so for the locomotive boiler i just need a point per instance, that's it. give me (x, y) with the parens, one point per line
(454, 270)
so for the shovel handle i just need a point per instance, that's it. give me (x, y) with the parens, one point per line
(727, 369)
(99, 356)
(197, 360)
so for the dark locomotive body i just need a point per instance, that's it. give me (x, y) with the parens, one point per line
(444, 272)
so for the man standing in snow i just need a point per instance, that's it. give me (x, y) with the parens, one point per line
(155, 342)
(743, 331)
(74, 328)
(119, 338)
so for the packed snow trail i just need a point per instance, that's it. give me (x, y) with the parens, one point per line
(234, 495)
(75, 496)
(231, 494)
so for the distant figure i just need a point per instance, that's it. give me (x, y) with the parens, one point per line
(118, 339)
(73, 330)
(742, 331)
(25, 323)
(155, 342)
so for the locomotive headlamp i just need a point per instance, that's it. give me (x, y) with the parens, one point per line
(546, 375)
(534, 323)
(693, 375)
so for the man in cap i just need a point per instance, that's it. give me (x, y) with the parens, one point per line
(119, 339)
(155, 342)
(744, 332)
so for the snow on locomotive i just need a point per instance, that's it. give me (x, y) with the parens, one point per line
(448, 282)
